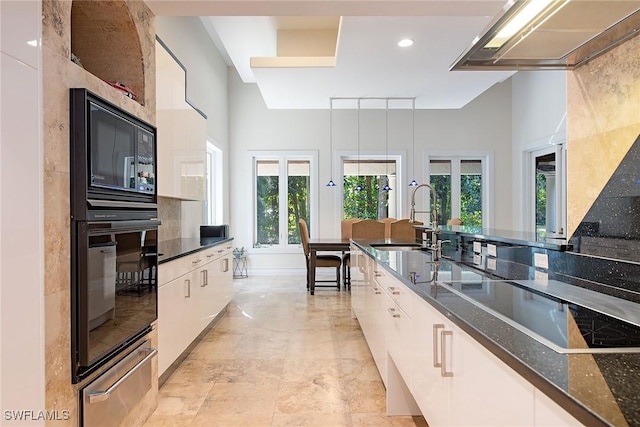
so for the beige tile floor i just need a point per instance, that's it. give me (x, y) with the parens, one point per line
(280, 357)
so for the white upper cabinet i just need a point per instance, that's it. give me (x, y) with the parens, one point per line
(182, 134)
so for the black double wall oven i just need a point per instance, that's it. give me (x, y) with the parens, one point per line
(114, 230)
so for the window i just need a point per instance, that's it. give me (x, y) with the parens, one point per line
(283, 194)
(213, 202)
(372, 202)
(460, 184)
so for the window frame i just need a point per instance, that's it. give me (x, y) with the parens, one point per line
(487, 180)
(283, 157)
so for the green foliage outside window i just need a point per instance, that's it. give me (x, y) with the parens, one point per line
(371, 202)
(268, 210)
(298, 206)
(471, 200)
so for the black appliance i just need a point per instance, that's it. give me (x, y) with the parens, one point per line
(114, 230)
(214, 231)
(113, 155)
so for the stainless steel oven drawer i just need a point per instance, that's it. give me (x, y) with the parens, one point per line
(107, 399)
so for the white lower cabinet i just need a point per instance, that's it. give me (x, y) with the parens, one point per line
(457, 382)
(173, 309)
(428, 362)
(188, 303)
(549, 414)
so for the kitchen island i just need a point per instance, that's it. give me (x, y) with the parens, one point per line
(532, 381)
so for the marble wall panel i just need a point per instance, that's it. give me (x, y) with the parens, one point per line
(603, 121)
(60, 74)
(170, 214)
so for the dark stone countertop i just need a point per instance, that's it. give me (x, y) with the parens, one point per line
(169, 250)
(596, 388)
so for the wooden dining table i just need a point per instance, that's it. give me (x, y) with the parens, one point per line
(321, 245)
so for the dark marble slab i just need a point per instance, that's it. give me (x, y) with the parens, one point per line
(571, 380)
(611, 227)
(176, 248)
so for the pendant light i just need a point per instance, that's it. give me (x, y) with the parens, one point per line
(331, 183)
(413, 182)
(386, 145)
(358, 187)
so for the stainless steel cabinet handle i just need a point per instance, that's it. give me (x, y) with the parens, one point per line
(224, 265)
(443, 353)
(220, 251)
(196, 261)
(100, 396)
(188, 283)
(393, 290)
(210, 255)
(392, 312)
(376, 291)
(436, 353)
(377, 273)
(203, 279)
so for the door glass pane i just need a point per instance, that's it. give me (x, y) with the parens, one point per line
(299, 204)
(267, 202)
(440, 179)
(471, 192)
(372, 202)
(546, 193)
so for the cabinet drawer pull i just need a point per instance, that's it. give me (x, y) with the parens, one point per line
(205, 278)
(436, 353)
(188, 283)
(443, 353)
(377, 273)
(393, 290)
(376, 291)
(210, 255)
(220, 251)
(224, 265)
(392, 312)
(196, 261)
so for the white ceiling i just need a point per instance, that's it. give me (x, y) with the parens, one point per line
(368, 61)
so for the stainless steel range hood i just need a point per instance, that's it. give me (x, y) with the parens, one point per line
(563, 35)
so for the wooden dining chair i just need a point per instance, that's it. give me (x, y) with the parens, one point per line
(403, 229)
(321, 260)
(367, 229)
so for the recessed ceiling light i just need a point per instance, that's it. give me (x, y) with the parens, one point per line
(405, 43)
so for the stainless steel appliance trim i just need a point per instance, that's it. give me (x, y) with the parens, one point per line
(100, 396)
(127, 382)
(98, 203)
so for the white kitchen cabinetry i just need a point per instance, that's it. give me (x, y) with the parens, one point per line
(549, 414)
(173, 308)
(459, 382)
(182, 134)
(428, 362)
(193, 290)
(374, 318)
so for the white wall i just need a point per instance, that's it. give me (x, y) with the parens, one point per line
(484, 124)
(539, 109)
(22, 382)
(207, 89)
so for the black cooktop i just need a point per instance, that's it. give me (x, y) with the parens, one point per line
(566, 326)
